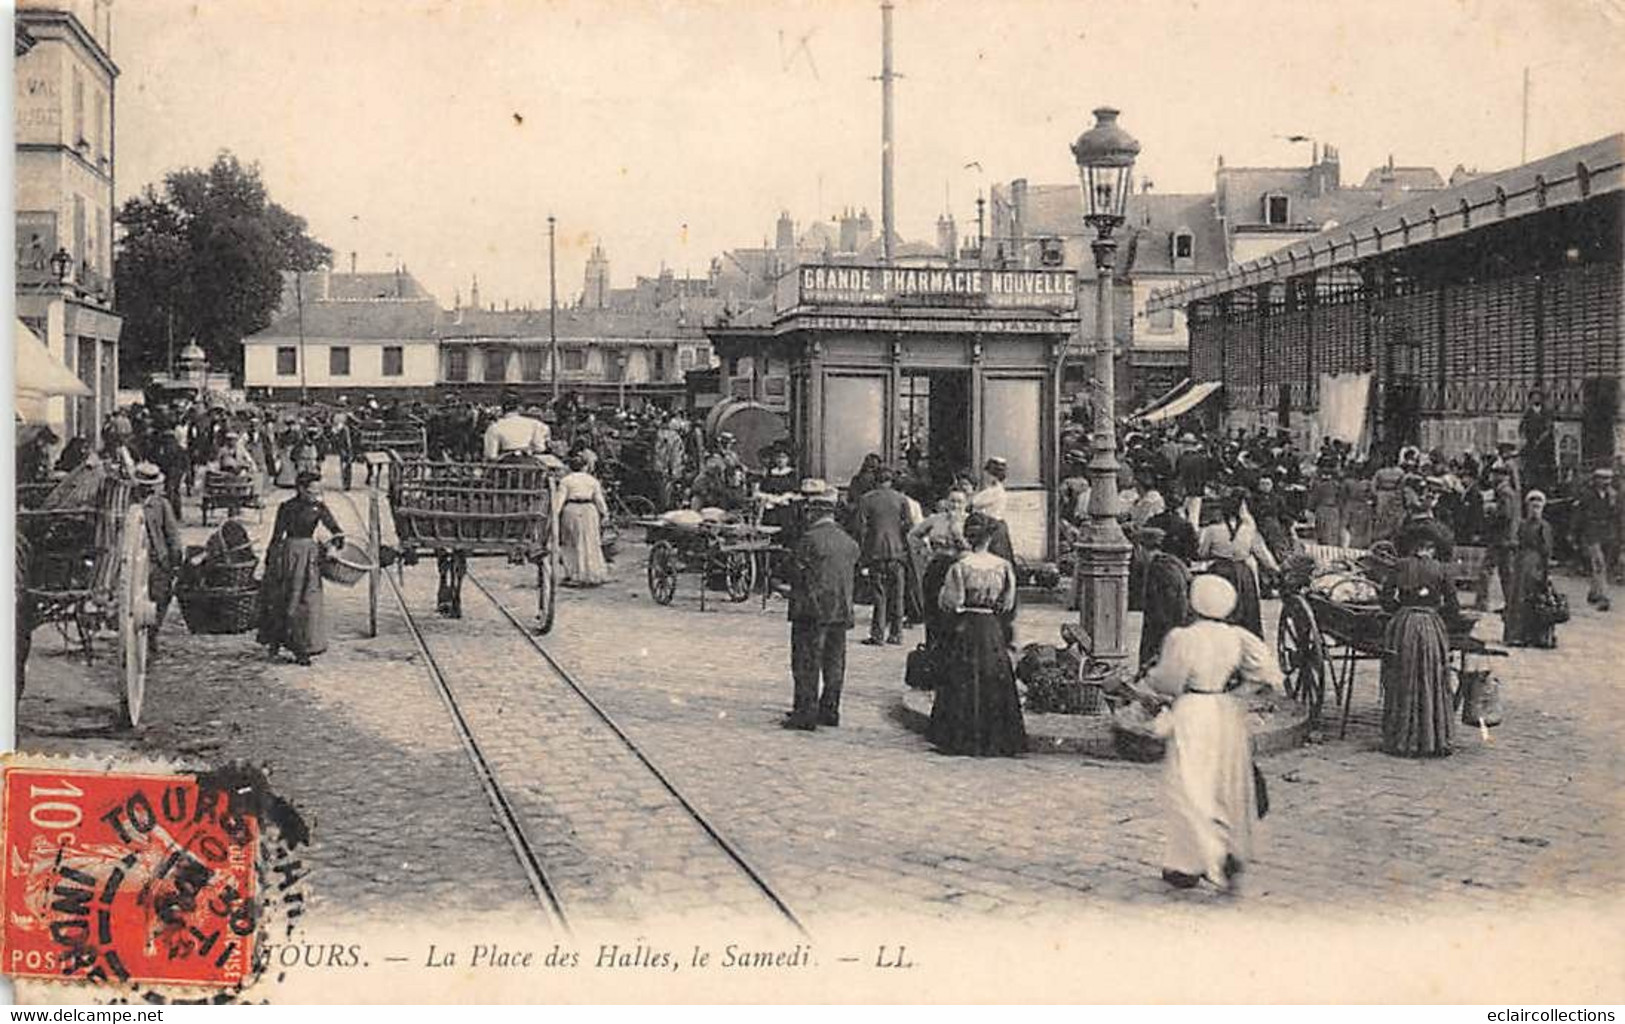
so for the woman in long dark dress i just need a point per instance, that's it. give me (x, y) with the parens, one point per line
(291, 592)
(942, 535)
(977, 710)
(1531, 568)
(1417, 719)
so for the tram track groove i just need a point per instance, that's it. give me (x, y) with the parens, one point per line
(507, 818)
(757, 878)
(512, 821)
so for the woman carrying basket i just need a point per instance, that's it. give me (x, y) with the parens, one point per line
(291, 592)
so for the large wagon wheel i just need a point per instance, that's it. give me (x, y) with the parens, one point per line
(547, 590)
(137, 615)
(738, 575)
(663, 572)
(1302, 648)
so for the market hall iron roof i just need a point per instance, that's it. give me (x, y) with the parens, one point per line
(1574, 175)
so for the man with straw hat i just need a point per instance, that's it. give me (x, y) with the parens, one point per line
(1208, 775)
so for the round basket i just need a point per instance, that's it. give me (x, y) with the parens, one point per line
(347, 565)
(213, 610)
(228, 575)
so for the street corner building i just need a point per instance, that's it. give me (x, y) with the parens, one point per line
(937, 368)
(65, 79)
(1431, 322)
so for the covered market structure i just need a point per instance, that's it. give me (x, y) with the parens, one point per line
(1432, 321)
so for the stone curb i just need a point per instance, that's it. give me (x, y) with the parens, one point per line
(1090, 736)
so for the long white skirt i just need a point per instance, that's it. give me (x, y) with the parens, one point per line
(581, 546)
(1207, 784)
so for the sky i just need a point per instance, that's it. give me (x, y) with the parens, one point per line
(442, 134)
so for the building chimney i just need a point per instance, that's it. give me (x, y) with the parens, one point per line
(947, 236)
(474, 293)
(1018, 221)
(849, 231)
(352, 261)
(866, 229)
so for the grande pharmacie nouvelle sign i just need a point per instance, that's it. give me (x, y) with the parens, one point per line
(924, 286)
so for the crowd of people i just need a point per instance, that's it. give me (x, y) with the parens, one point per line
(1217, 523)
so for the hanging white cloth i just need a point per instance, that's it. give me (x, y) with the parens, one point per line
(1343, 401)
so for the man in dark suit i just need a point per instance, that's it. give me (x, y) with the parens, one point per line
(882, 527)
(821, 570)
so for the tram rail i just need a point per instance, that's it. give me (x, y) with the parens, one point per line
(531, 860)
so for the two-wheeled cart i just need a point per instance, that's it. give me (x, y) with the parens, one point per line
(1320, 640)
(84, 570)
(727, 557)
(458, 510)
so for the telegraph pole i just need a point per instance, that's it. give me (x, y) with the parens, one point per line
(552, 312)
(887, 213)
(299, 299)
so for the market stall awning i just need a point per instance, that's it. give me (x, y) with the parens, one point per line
(39, 373)
(1162, 399)
(1183, 404)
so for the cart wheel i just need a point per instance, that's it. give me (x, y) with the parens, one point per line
(1302, 650)
(547, 591)
(137, 615)
(663, 572)
(739, 575)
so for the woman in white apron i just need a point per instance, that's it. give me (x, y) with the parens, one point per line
(1208, 771)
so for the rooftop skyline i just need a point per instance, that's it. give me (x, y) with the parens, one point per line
(440, 137)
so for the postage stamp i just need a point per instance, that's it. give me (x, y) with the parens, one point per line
(128, 878)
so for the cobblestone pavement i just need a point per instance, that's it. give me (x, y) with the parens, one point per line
(360, 743)
(863, 819)
(615, 844)
(867, 818)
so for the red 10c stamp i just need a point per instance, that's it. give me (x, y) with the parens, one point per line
(126, 878)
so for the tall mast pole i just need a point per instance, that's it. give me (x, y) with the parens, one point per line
(887, 213)
(1523, 150)
(552, 312)
(299, 299)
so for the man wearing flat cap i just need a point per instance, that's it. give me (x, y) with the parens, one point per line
(820, 570)
(1596, 521)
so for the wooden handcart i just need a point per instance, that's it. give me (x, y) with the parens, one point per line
(85, 570)
(1320, 640)
(401, 440)
(455, 510)
(230, 491)
(727, 557)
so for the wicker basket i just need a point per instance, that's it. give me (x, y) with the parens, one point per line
(347, 565)
(228, 576)
(213, 610)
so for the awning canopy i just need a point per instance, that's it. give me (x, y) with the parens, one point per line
(1162, 399)
(1183, 404)
(39, 373)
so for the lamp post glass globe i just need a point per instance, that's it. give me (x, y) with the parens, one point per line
(1105, 156)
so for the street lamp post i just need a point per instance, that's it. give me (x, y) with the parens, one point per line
(1105, 157)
